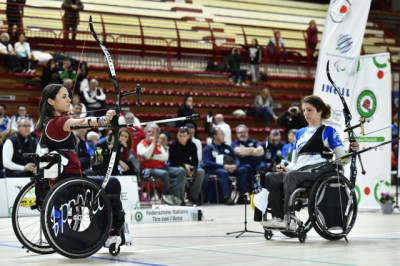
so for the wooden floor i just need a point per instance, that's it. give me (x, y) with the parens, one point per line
(374, 240)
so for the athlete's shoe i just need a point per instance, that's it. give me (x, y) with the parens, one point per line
(269, 223)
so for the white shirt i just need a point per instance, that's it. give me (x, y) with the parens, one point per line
(3, 48)
(227, 131)
(147, 152)
(197, 142)
(8, 151)
(92, 98)
(22, 49)
(14, 123)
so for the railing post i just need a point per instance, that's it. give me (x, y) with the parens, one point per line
(141, 35)
(179, 40)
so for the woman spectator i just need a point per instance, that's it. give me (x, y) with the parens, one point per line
(255, 60)
(81, 79)
(6, 135)
(263, 105)
(186, 109)
(49, 74)
(164, 139)
(7, 53)
(312, 36)
(23, 51)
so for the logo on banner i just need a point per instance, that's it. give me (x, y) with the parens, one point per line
(344, 43)
(341, 10)
(366, 103)
(382, 65)
(138, 216)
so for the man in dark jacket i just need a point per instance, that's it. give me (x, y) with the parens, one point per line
(292, 118)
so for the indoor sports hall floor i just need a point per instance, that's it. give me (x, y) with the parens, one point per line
(375, 240)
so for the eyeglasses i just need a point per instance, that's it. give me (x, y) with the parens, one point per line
(241, 132)
(128, 118)
(24, 125)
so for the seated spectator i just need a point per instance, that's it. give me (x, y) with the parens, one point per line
(234, 60)
(250, 154)
(81, 148)
(276, 45)
(23, 51)
(128, 118)
(76, 101)
(153, 159)
(219, 122)
(186, 109)
(219, 159)
(4, 119)
(196, 142)
(255, 60)
(92, 139)
(81, 79)
(272, 150)
(164, 139)
(7, 53)
(49, 74)
(105, 146)
(66, 71)
(125, 139)
(15, 164)
(288, 147)
(15, 119)
(94, 97)
(292, 118)
(248, 150)
(183, 153)
(6, 135)
(68, 84)
(263, 105)
(76, 111)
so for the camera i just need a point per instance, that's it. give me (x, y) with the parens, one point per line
(293, 110)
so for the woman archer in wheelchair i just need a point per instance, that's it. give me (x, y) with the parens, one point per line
(73, 197)
(308, 149)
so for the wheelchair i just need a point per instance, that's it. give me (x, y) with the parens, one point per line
(320, 205)
(64, 216)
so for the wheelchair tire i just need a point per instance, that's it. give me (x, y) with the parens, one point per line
(67, 223)
(319, 222)
(26, 221)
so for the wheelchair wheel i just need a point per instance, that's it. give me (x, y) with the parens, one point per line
(329, 199)
(26, 221)
(67, 223)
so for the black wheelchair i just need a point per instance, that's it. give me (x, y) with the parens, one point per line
(64, 216)
(321, 205)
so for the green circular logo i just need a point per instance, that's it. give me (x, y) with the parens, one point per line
(386, 183)
(138, 216)
(358, 191)
(366, 103)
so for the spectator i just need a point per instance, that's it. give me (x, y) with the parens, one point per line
(292, 118)
(49, 74)
(6, 135)
(7, 53)
(197, 142)
(76, 111)
(153, 159)
(183, 153)
(68, 84)
(287, 148)
(276, 45)
(81, 79)
(219, 159)
(250, 153)
(312, 36)
(105, 146)
(23, 51)
(81, 148)
(15, 12)
(272, 150)
(219, 122)
(164, 139)
(14, 148)
(4, 119)
(15, 119)
(71, 16)
(255, 60)
(66, 71)
(76, 101)
(128, 118)
(234, 60)
(92, 139)
(125, 139)
(263, 105)
(186, 109)
(94, 97)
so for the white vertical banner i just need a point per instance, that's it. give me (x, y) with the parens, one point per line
(340, 45)
(372, 100)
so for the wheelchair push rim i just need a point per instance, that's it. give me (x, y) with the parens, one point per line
(68, 226)
(317, 210)
(26, 221)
